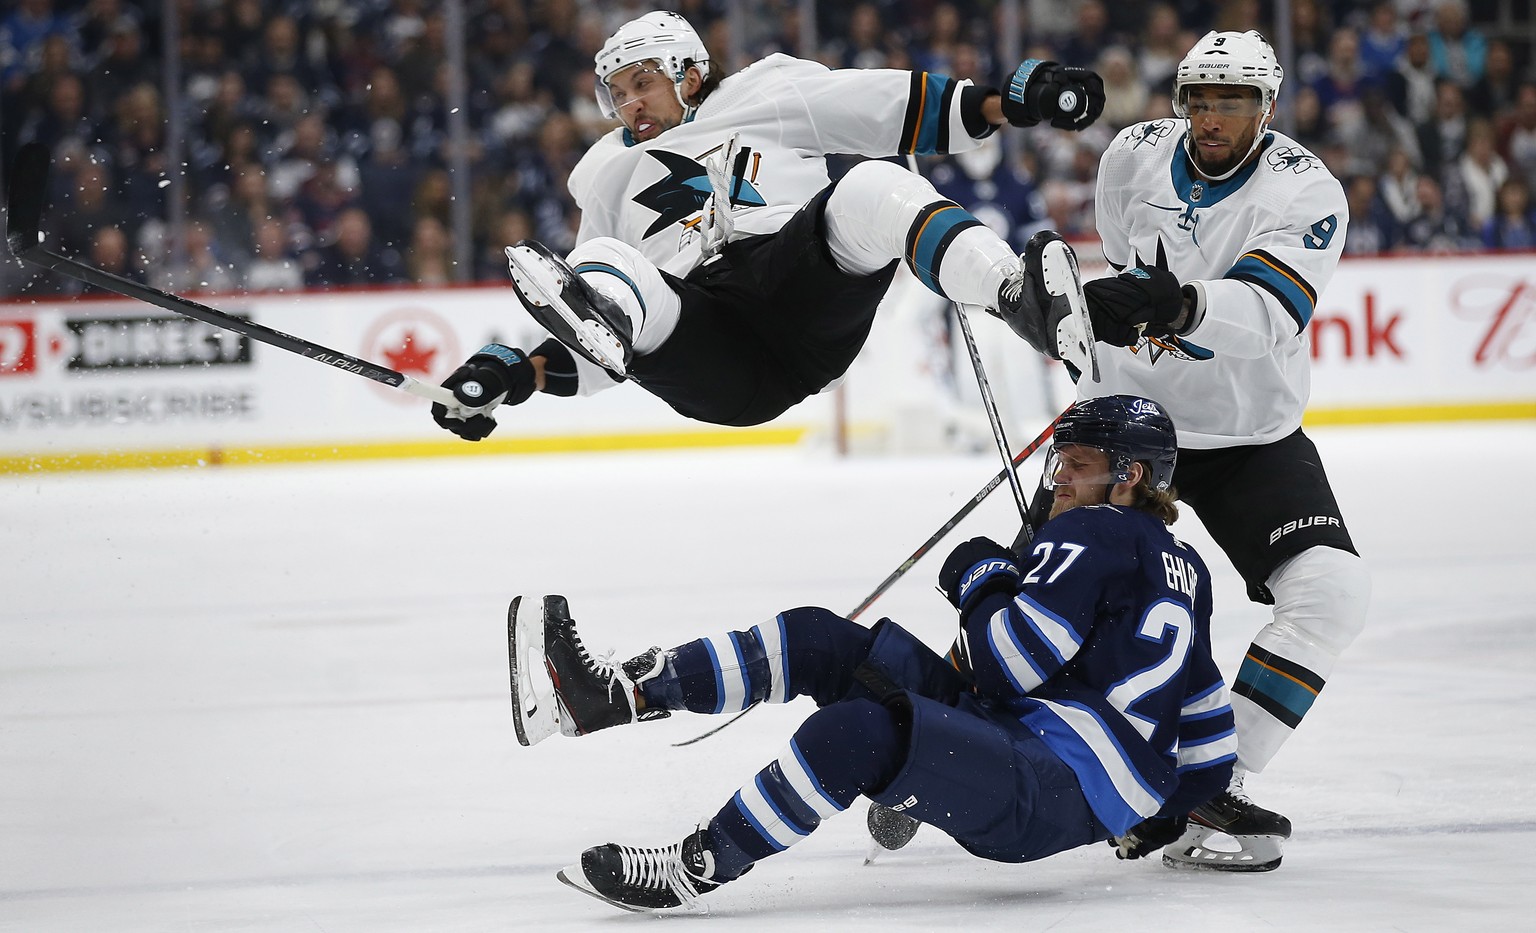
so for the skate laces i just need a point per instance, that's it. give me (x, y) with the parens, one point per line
(1013, 286)
(662, 869)
(1236, 793)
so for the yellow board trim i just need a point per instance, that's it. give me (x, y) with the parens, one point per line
(363, 450)
(1402, 414)
(23, 464)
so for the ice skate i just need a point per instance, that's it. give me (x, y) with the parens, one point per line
(1053, 266)
(637, 879)
(1044, 303)
(889, 830)
(592, 693)
(557, 686)
(578, 315)
(535, 715)
(1255, 832)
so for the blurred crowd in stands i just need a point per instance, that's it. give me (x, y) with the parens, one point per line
(316, 149)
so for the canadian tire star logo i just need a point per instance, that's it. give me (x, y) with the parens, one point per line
(412, 358)
(413, 341)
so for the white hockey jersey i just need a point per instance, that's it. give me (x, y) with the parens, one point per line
(1261, 246)
(789, 114)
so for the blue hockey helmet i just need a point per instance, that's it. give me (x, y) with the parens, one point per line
(1127, 428)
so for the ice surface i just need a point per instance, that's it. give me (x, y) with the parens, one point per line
(275, 699)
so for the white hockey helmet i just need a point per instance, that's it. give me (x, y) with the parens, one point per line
(1241, 58)
(661, 35)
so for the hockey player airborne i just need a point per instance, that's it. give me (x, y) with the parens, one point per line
(717, 267)
(1096, 711)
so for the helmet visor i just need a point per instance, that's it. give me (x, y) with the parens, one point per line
(1070, 464)
(631, 83)
(1239, 102)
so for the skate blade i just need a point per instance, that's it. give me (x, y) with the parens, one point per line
(534, 712)
(1237, 853)
(540, 286)
(1074, 335)
(572, 876)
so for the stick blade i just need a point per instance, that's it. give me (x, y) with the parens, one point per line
(28, 185)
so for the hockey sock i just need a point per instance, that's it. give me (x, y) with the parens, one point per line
(802, 652)
(878, 212)
(840, 752)
(1320, 602)
(956, 256)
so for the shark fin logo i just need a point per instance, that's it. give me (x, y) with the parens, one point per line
(683, 191)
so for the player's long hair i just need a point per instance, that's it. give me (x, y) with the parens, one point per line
(1159, 503)
(712, 80)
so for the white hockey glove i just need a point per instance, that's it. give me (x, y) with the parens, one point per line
(492, 376)
(718, 225)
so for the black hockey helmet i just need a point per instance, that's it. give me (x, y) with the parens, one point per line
(1128, 428)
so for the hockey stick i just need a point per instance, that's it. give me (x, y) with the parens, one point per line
(899, 572)
(990, 404)
(955, 519)
(24, 212)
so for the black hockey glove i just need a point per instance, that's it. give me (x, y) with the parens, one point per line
(976, 568)
(1149, 836)
(495, 375)
(1139, 300)
(1067, 98)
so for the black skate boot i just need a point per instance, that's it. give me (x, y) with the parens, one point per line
(593, 693)
(647, 879)
(557, 686)
(1257, 832)
(578, 315)
(1044, 304)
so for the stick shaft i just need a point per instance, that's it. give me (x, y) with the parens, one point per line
(990, 404)
(968, 508)
(24, 215)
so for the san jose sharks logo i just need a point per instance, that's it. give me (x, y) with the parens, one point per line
(1175, 346)
(685, 188)
(1294, 158)
(1148, 134)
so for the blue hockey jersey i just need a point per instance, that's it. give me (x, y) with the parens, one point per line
(1104, 653)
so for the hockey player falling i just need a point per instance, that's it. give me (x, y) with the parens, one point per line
(1095, 712)
(1228, 232)
(717, 267)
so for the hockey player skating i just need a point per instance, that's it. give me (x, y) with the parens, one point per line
(716, 266)
(1227, 232)
(1095, 711)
